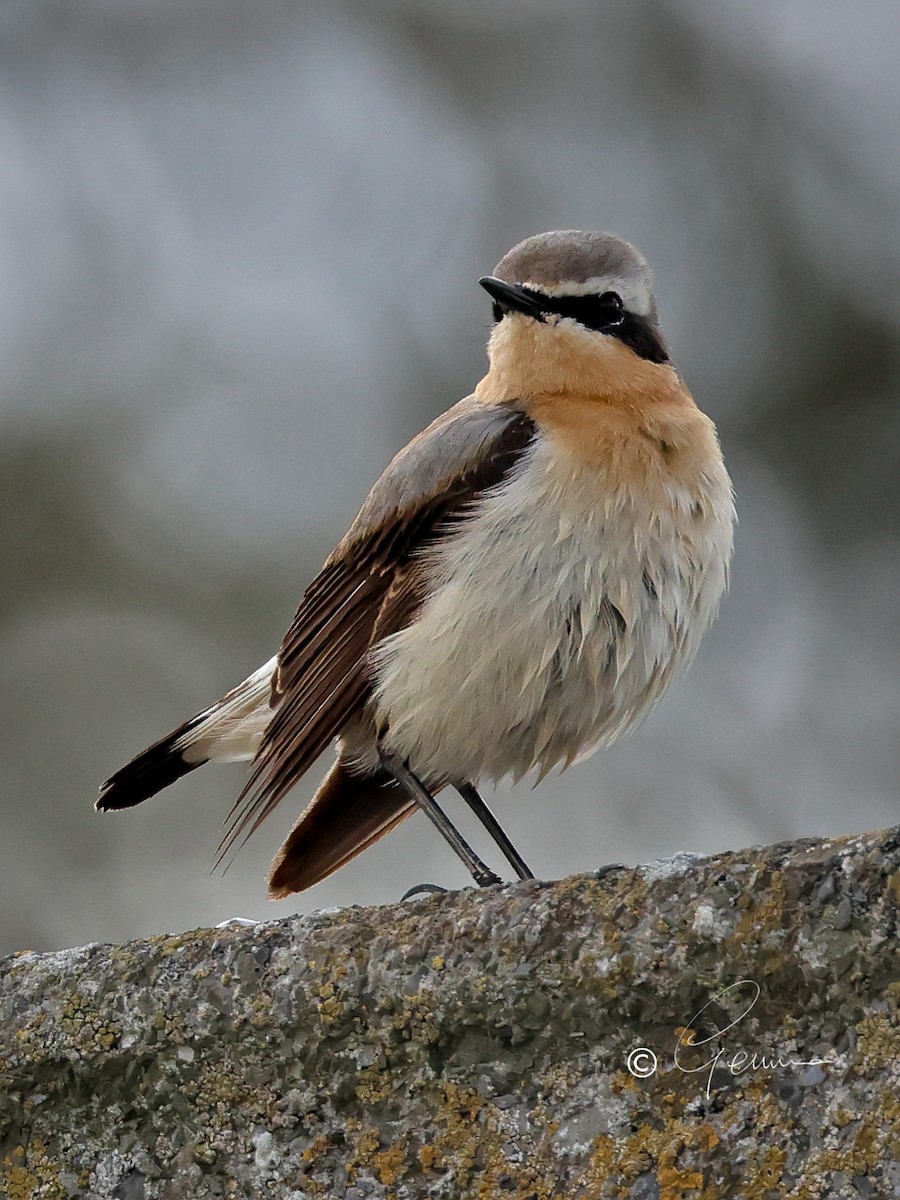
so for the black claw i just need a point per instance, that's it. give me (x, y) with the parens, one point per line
(423, 889)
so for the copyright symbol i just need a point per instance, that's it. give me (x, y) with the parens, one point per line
(641, 1062)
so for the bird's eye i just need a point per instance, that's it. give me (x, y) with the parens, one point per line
(612, 301)
(594, 312)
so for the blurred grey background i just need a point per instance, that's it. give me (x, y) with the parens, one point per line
(238, 252)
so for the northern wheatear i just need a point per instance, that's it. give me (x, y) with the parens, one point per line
(520, 586)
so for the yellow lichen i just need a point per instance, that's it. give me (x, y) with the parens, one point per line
(389, 1163)
(675, 1183)
(879, 1041)
(330, 1010)
(763, 915)
(311, 1153)
(27, 1172)
(430, 1157)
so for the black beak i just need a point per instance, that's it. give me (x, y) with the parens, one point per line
(510, 297)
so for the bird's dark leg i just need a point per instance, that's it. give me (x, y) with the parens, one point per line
(492, 825)
(416, 790)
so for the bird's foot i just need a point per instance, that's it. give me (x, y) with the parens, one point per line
(486, 878)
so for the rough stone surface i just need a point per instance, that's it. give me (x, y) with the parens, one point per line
(477, 1044)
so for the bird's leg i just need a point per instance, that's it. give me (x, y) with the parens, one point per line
(492, 825)
(416, 790)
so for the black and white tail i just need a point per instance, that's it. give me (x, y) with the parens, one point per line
(229, 731)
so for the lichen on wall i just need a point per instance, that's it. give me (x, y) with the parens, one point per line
(705, 1027)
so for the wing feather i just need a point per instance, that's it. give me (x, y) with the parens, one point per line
(369, 587)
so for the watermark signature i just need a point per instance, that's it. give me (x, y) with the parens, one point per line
(643, 1062)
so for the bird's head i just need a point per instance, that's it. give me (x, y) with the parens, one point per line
(572, 310)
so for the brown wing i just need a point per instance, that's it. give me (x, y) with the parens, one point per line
(347, 814)
(366, 590)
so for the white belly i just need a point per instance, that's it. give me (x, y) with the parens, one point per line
(558, 614)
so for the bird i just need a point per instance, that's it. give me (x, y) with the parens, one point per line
(519, 588)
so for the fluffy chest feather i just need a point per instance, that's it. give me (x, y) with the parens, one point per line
(557, 614)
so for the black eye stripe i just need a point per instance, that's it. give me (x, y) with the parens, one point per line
(606, 314)
(593, 311)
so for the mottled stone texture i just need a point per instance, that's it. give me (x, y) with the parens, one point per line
(477, 1044)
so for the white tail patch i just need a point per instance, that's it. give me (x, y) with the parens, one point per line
(232, 728)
